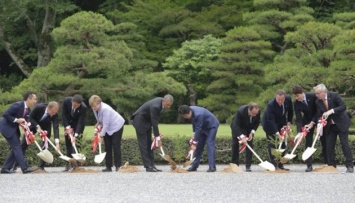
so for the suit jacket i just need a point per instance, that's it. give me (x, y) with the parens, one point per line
(110, 119)
(273, 119)
(77, 121)
(305, 113)
(8, 127)
(147, 116)
(340, 116)
(241, 122)
(45, 124)
(202, 119)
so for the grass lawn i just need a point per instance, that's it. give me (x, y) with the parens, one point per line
(169, 130)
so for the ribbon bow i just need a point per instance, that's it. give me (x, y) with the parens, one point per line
(28, 133)
(95, 142)
(43, 134)
(242, 146)
(321, 123)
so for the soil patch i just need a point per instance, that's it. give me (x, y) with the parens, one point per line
(82, 170)
(232, 168)
(126, 168)
(326, 169)
(277, 171)
(178, 170)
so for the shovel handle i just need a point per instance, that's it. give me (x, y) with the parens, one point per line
(40, 149)
(99, 147)
(191, 154)
(51, 143)
(162, 150)
(257, 156)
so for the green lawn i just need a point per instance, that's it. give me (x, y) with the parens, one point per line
(169, 130)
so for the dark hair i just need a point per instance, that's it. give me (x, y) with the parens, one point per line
(184, 109)
(297, 89)
(77, 98)
(27, 95)
(253, 106)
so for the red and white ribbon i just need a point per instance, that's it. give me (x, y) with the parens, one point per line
(28, 133)
(95, 142)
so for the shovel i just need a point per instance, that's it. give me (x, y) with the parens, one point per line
(45, 155)
(310, 150)
(265, 164)
(60, 153)
(77, 156)
(101, 156)
(187, 163)
(292, 155)
(164, 156)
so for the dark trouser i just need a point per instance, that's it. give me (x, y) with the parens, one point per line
(144, 144)
(16, 154)
(113, 142)
(309, 142)
(331, 137)
(271, 145)
(235, 152)
(209, 137)
(69, 146)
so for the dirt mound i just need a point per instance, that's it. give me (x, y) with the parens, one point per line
(276, 171)
(126, 168)
(178, 170)
(82, 170)
(39, 170)
(232, 168)
(325, 169)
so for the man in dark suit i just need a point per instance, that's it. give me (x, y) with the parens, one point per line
(332, 108)
(278, 113)
(144, 119)
(245, 122)
(41, 118)
(9, 128)
(73, 118)
(204, 126)
(305, 110)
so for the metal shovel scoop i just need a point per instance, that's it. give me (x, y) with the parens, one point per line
(265, 164)
(45, 155)
(292, 155)
(164, 156)
(101, 156)
(77, 156)
(66, 158)
(187, 163)
(310, 150)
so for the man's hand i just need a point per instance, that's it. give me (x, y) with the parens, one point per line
(243, 139)
(156, 142)
(250, 136)
(327, 113)
(20, 120)
(310, 125)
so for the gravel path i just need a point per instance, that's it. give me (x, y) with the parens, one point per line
(257, 186)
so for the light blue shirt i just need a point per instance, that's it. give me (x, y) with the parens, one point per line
(110, 120)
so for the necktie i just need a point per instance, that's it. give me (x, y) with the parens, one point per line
(283, 109)
(25, 113)
(325, 102)
(44, 117)
(251, 119)
(72, 112)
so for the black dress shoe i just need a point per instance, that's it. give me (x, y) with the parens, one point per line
(6, 171)
(350, 170)
(150, 169)
(191, 169)
(309, 169)
(107, 170)
(248, 170)
(29, 170)
(283, 168)
(158, 170)
(211, 170)
(117, 168)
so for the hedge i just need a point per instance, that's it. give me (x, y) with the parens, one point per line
(177, 147)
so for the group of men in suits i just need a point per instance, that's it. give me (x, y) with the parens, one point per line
(42, 118)
(278, 116)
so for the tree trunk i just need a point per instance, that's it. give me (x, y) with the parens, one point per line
(45, 41)
(17, 60)
(192, 95)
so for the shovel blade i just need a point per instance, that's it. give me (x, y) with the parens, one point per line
(187, 163)
(289, 156)
(65, 158)
(79, 157)
(308, 153)
(280, 150)
(46, 156)
(267, 165)
(100, 157)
